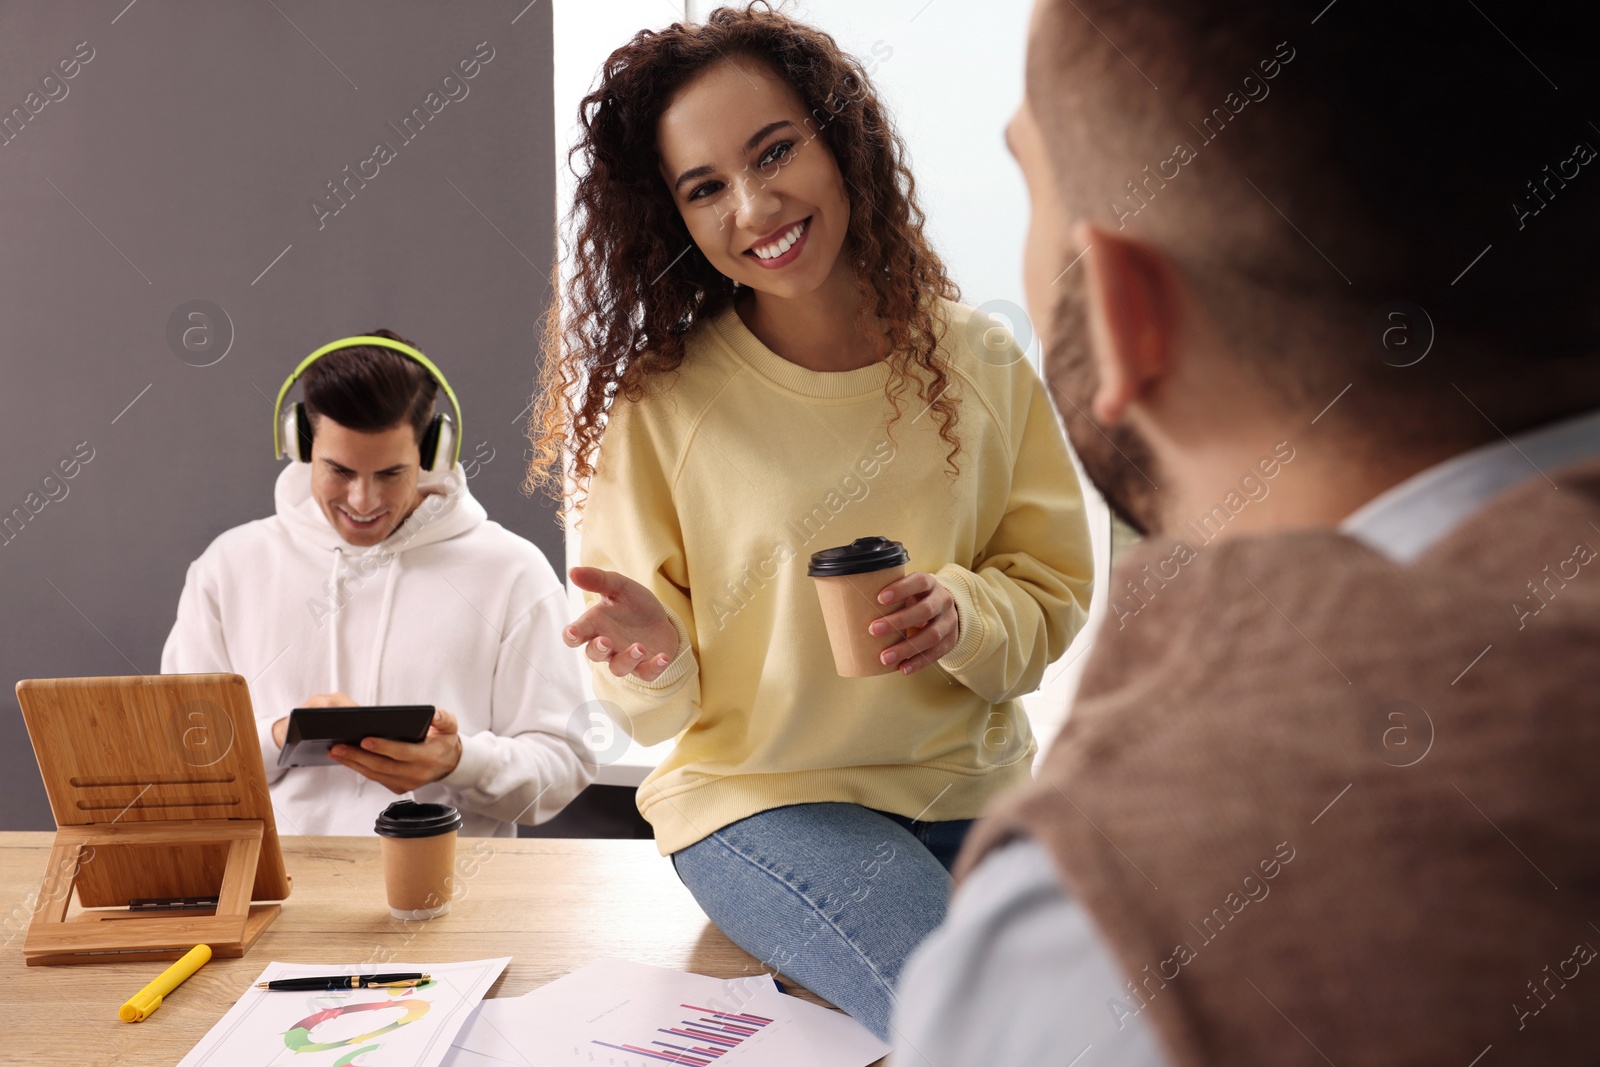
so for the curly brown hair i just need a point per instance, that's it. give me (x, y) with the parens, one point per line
(634, 295)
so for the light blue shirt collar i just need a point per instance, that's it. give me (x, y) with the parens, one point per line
(1406, 520)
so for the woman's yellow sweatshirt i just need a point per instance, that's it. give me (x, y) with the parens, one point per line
(715, 489)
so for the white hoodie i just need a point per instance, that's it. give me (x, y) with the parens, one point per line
(451, 610)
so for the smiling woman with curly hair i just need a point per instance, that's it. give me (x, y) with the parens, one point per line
(758, 355)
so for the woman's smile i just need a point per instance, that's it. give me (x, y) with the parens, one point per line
(783, 247)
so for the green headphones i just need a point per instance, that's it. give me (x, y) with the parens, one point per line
(294, 424)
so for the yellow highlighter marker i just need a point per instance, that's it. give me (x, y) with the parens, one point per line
(140, 1006)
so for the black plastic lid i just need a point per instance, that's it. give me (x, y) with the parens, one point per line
(407, 818)
(861, 556)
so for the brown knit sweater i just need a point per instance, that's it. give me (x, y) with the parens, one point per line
(1327, 808)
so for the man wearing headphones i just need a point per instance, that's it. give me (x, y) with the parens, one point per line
(381, 580)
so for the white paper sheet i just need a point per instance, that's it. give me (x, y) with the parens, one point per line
(351, 1028)
(808, 1035)
(614, 1013)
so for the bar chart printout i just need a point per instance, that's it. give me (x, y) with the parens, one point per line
(697, 1041)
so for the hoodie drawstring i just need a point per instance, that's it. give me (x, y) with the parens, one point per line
(333, 623)
(384, 613)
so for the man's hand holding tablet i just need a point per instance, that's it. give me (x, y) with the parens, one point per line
(399, 766)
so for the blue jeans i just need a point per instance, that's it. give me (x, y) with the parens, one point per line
(836, 896)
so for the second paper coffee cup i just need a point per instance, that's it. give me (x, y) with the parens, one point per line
(419, 857)
(849, 579)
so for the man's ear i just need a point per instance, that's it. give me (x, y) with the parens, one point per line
(1133, 304)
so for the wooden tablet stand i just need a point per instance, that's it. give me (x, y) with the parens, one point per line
(164, 822)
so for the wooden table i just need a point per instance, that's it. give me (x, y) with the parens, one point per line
(552, 905)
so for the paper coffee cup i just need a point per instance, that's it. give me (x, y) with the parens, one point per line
(419, 856)
(849, 579)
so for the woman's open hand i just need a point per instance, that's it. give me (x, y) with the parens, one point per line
(628, 629)
(929, 622)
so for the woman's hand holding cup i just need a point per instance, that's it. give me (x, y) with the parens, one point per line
(929, 622)
(628, 629)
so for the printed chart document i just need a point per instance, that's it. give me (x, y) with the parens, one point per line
(410, 1027)
(615, 1013)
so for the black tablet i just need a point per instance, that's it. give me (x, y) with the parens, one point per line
(313, 731)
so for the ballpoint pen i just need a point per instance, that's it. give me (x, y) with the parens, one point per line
(346, 981)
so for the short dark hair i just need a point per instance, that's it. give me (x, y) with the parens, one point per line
(371, 389)
(1411, 144)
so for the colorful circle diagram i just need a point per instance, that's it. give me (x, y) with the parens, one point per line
(299, 1036)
